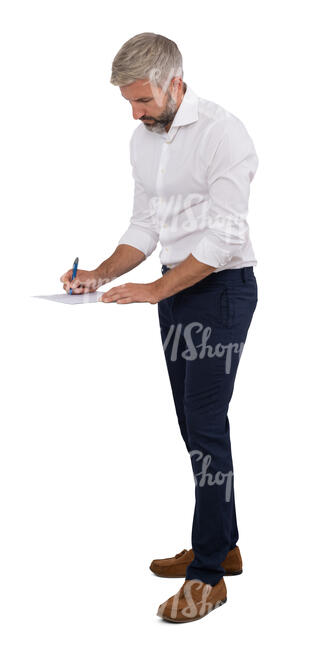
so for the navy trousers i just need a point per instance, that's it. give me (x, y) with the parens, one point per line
(203, 330)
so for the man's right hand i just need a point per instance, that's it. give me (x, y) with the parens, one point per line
(84, 282)
(124, 259)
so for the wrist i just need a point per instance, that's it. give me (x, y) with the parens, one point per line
(102, 275)
(97, 275)
(157, 289)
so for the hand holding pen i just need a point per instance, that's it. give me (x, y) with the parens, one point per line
(79, 281)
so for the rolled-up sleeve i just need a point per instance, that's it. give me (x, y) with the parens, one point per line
(228, 176)
(142, 232)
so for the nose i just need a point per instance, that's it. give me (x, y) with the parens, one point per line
(137, 113)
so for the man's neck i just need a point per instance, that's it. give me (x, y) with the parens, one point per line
(167, 127)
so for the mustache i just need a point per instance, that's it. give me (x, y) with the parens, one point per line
(155, 120)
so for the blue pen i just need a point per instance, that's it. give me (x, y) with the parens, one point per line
(75, 265)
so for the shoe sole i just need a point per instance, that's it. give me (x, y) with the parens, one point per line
(197, 618)
(183, 575)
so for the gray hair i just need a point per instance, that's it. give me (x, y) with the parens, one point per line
(147, 56)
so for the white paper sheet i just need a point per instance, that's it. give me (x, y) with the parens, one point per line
(74, 299)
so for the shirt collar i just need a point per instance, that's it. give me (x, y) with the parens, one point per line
(187, 111)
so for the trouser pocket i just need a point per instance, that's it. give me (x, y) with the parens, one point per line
(227, 307)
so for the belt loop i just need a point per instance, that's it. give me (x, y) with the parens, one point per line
(243, 274)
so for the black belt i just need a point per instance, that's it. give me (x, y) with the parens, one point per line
(243, 273)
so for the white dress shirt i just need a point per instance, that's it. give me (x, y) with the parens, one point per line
(192, 187)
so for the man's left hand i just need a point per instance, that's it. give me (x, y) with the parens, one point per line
(131, 292)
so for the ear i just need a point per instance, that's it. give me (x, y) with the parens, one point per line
(176, 85)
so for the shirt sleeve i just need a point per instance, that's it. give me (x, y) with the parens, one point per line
(231, 169)
(142, 232)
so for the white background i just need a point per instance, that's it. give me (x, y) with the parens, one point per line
(95, 479)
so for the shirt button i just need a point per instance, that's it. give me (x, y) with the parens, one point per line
(162, 171)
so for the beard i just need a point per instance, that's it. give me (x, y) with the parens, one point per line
(164, 118)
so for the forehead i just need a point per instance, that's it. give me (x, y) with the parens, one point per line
(141, 88)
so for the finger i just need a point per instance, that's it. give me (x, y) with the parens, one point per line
(113, 298)
(80, 290)
(111, 292)
(120, 288)
(88, 286)
(75, 284)
(66, 277)
(67, 286)
(115, 293)
(124, 301)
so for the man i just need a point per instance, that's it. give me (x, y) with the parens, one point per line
(192, 162)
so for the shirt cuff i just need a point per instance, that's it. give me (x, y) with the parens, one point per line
(211, 254)
(140, 238)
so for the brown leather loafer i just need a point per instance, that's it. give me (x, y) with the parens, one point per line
(175, 567)
(193, 601)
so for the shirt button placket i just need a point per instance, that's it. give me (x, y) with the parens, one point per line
(161, 168)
